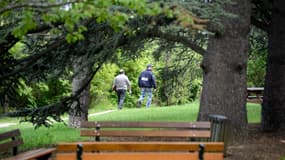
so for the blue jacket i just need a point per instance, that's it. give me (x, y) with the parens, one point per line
(147, 80)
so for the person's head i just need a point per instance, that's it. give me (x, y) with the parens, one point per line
(121, 71)
(149, 67)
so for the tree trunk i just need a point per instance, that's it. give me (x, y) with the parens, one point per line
(273, 107)
(79, 108)
(224, 71)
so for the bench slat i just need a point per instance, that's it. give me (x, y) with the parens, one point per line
(10, 134)
(148, 133)
(12, 139)
(140, 156)
(33, 154)
(132, 156)
(118, 124)
(141, 146)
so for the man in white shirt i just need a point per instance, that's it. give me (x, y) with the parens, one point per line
(120, 84)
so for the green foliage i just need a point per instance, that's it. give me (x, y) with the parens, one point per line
(179, 75)
(25, 94)
(71, 15)
(51, 91)
(257, 58)
(101, 88)
(212, 11)
(27, 23)
(195, 88)
(17, 50)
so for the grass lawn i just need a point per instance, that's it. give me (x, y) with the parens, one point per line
(34, 138)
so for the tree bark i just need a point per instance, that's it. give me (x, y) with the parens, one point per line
(224, 71)
(273, 107)
(79, 108)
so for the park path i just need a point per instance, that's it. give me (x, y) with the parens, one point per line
(100, 113)
(6, 124)
(2, 125)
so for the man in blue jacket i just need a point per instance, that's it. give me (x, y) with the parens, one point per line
(146, 82)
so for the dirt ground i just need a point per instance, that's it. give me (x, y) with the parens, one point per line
(260, 146)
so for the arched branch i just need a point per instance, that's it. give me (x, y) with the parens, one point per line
(35, 5)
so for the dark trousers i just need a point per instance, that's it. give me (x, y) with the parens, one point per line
(121, 93)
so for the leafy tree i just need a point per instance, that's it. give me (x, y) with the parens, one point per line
(48, 29)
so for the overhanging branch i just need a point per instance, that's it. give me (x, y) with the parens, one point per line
(31, 59)
(35, 5)
(179, 39)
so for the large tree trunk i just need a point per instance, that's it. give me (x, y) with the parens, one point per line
(79, 108)
(273, 107)
(224, 71)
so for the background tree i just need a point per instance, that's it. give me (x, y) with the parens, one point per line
(273, 108)
(269, 16)
(48, 49)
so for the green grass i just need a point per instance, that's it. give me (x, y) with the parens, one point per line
(254, 113)
(45, 137)
(174, 113)
(34, 138)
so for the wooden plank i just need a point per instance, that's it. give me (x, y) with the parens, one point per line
(34, 154)
(141, 146)
(10, 134)
(132, 156)
(254, 101)
(148, 133)
(140, 156)
(124, 124)
(255, 89)
(213, 156)
(10, 144)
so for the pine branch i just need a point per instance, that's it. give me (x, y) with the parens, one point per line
(29, 61)
(179, 39)
(35, 5)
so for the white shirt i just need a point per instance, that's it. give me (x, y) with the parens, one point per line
(121, 81)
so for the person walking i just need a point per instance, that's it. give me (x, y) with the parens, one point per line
(120, 84)
(146, 83)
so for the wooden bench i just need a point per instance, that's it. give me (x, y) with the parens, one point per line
(255, 95)
(12, 139)
(165, 130)
(140, 151)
